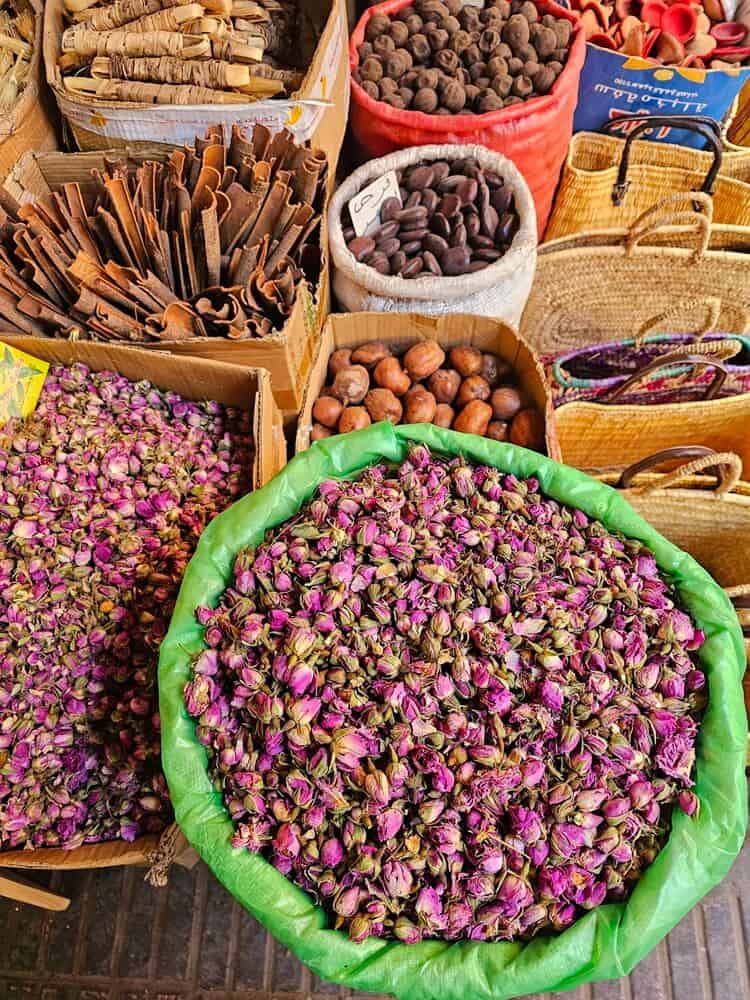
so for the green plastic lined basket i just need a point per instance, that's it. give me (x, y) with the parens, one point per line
(606, 942)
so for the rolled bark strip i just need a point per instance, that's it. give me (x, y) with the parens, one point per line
(172, 19)
(80, 41)
(214, 27)
(166, 69)
(235, 51)
(151, 93)
(114, 15)
(290, 78)
(260, 88)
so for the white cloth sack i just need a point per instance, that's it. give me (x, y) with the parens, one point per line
(499, 290)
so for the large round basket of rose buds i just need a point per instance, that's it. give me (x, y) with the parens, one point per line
(451, 720)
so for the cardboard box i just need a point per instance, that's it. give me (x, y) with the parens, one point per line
(197, 379)
(402, 330)
(286, 354)
(317, 111)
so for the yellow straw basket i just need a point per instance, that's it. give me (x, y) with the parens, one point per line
(708, 519)
(609, 182)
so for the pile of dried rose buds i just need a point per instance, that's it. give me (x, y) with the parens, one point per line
(104, 491)
(448, 706)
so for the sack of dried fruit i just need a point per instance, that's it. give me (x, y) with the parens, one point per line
(503, 74)
(459, 237)
(443, 693)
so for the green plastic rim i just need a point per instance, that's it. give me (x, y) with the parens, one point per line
(605, 943)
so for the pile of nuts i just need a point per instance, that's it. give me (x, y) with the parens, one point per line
(473, 392)
(454, 218)
(450, 59)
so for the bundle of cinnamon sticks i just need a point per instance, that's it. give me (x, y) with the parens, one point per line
(144, 50)
(17, 28)
(212, 243)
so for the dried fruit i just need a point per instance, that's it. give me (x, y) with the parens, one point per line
(351, 384)
(423, 359)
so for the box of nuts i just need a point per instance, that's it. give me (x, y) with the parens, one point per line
(469, 373)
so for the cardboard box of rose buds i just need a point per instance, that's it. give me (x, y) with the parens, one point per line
(399, 331)
(193, 378)
(318, 110)
(286, 354)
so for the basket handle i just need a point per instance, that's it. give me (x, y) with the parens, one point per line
(697, 355)
(711, 303)
(658, 458)
(731, 464)
(662, 214)
(698, 124)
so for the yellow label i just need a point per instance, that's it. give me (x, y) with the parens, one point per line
(21, 379)
(295, 113)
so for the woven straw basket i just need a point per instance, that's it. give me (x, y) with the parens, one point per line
(588, 193)
(738, 132)
(710, 521)
(585, 293)
(30, 124)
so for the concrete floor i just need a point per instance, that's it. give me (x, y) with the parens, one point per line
(122, 940)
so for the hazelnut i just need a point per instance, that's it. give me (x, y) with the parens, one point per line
(526, 53)
(369, 354)
(474, 418)
(383, 405)
(399, 33)
(451, 24)
(563, 30)
(371, 89)
(489, 101)
(319, 432)
(444, 384)
(376, 26)
(419, 406)
(466, 360)
(471, 55)
(395, 101)
(473, 387)
(522, 87)
(515, 66)
(444, 415)
(454, 96)
(364, 51)
(530, 69)
(489, 40)
(342, 358)
(327, 410)
(389, 374)
(438, 39)
(460, 41)
(501, 84)
(354, 418)
(423, 359)
(529, 11)
(419, 47)
(447, 61)
(425, 100)
(407, 96)
(543, 79)
(506, 402)
(516, 31)
(414, 23)
(387, 87)
(477, 71)
(427, 78)
(545, 42)
(383, 46)
(371, 69)
(351, 384)
(497, 430)
(503, 51)
(497, 66)
(527, 430)
(397, 63)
